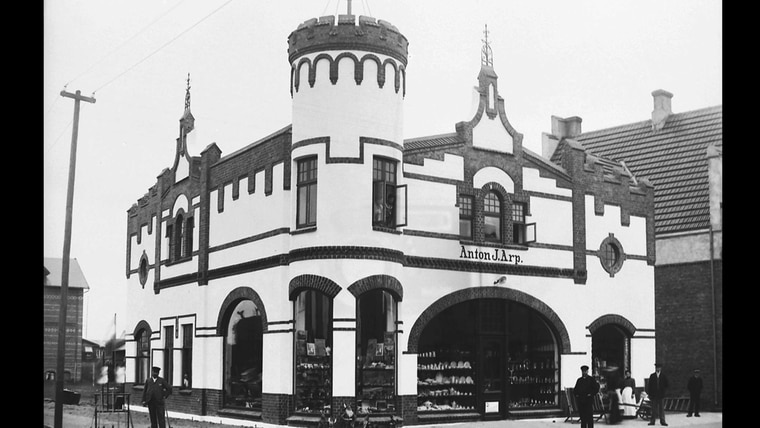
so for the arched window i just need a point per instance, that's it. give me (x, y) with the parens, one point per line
(492, 217)
(179, 229)
(142, 363)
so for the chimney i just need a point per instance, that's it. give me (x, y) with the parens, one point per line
(561, 128)
(566, 128)
(662, 108)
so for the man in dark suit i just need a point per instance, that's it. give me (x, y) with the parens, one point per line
(656, 387)
(695, 391)
(586, 387)
(156, 390)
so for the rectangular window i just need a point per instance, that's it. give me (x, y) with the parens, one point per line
(142, 365)
(465, 216)
(384, 187)
(187, 355)
(518, 223)
(170, 236)
(306, 179)
(168, 354)
(188, 237)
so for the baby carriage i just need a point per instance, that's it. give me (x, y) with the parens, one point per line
(644, 408)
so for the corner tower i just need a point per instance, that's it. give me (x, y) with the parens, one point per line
(347, 89)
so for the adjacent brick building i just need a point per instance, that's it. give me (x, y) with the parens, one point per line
(74, 319)
(335, 262)
(682, 155)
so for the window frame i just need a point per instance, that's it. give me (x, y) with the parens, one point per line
(385, 186)
(493, 215)
(466, 205)
(308, 183)
(187, 355)
(168, 354)
(611, 265)
(142, 353)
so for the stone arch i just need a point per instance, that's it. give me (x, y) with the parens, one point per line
(142, 325)
(373, 282)
(313, 69)
(296, 70)
(336, 63)
(232, 299)
(315, 282)
(373, 57)
(452, 299)
(617, 320)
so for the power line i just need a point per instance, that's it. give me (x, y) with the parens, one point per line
(161, 47)
(126, 41)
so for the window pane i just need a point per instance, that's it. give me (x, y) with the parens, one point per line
(492, 228)
(465, 228)
(312, 204)
(491, 203)
(518, 212)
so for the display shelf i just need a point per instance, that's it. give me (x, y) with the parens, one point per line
(533, 382)
(446, 382)
(313, 383)
(376, 388)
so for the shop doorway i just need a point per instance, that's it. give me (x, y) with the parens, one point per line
(243, 356)
(490, 356)
(610, 349)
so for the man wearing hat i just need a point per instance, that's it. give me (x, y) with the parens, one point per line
(655, 388)
(695, 391)
(156, 390)
(585, 389)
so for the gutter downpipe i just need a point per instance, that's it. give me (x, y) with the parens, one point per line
(715, 331)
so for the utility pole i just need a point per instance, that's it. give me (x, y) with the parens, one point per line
(58, 418)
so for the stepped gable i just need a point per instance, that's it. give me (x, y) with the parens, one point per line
(370, 35)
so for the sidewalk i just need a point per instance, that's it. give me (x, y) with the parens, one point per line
(181, 420)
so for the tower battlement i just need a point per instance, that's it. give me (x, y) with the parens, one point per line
(370, 35)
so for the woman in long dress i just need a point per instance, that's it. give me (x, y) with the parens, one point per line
(628, 396)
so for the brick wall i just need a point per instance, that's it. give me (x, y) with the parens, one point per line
(275, 408)
(684, 324)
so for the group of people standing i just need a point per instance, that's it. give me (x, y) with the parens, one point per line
(621, 392)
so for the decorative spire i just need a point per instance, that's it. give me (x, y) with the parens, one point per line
(486, 55)
(187, 122)
(349, 7)
(187, 93)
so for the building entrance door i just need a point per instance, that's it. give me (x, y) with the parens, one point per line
(492, 391)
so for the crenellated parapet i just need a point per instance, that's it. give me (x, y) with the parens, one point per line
(370, 35)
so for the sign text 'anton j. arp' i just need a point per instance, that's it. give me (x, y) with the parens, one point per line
(495, 255)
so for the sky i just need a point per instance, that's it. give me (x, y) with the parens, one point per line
(599, 60)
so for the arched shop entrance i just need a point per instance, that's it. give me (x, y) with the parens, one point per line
(242, 324)
(610, 345)
(488, 354)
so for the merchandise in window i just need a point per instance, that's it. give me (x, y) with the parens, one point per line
(313, 365)
(306, 180)
(376, 353)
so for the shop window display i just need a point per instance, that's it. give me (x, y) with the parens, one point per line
(376, 353)
(489, 356)
(243, 357)
(313, 365)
